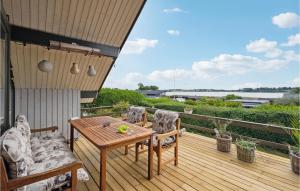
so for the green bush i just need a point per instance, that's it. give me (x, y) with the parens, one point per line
(218, 102)
(190, 102)
(232, 96)
(120, 107)
(153, 101)
(109, 96)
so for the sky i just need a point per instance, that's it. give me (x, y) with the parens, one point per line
(211, 44)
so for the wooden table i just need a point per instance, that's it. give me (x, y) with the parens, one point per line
(106, 138)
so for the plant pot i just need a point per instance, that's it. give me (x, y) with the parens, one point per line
(246, 155)
(188, 111)
(224, 143)
(295, 161)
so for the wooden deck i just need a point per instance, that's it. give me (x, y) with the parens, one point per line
(201, 167)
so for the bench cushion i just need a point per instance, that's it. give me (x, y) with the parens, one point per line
(51, 151)
(13, 150)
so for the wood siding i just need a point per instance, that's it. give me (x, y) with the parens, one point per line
(48, 107)
(25, 60)
(103, 21)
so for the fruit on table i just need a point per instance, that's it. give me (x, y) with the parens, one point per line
(123, 129)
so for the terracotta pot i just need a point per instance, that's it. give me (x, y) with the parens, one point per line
(295, 161)
(224, 143)
(246, 155)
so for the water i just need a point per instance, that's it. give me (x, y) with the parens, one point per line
(222, 94)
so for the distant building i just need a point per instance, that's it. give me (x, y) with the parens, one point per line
(152, 93)
(249, 103)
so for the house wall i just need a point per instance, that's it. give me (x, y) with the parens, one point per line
(48, 107)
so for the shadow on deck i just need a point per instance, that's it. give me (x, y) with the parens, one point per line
(201, 167)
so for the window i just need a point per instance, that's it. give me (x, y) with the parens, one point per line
(6, 84)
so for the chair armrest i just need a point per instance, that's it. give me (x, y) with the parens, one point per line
(166, 135)
(54, 128)
(139, 124)
(22, 181)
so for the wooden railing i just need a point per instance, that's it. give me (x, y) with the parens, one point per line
(90, 111)
(280, 130)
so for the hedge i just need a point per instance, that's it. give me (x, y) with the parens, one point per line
(253, 115)
(110, 97)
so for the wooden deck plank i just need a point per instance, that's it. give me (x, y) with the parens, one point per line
(201, 167)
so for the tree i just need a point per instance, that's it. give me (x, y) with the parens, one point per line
(142, 87)
(296, 90)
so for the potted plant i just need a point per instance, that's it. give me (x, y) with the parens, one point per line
(188, 110)
(245, 150)
(294, 150)
(224, 138)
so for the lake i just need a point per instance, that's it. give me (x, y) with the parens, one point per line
(222, 94)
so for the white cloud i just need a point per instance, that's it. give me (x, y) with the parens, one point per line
(264, 46)
(296, 82)
(293, 40)
(290, 55)
(247, 85)
(130, 80)
(138, 46)
(286, 20)
(261, 45)
(173, 10)
(173, 32)
(224, 64)
(169, 74)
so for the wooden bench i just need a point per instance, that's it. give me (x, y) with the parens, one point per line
(11, 184)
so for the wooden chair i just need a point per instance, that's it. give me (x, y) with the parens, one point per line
(142, 123)
(11, 184)
(159, 148)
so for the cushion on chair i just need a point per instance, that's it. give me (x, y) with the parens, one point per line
(164, 143)
(135, 114)
(164, 121)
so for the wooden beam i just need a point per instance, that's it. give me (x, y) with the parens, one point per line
(31, 36)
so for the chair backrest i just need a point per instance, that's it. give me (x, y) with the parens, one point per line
(165, 121)
(136, 114)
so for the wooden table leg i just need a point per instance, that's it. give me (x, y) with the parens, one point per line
(103, 169)
(150, 158)
(72, 138)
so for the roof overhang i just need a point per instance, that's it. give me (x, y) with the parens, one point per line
(104, 25)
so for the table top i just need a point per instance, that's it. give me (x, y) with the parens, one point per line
(102, 131)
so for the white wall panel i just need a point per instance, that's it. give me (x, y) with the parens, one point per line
(48, 107)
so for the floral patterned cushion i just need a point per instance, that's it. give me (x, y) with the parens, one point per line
(164, 121)
(21, 121)
(135, 114)
(13, 150)
(164, 143)
(50, 151)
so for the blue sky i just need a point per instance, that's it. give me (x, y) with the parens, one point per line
(211, 44)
